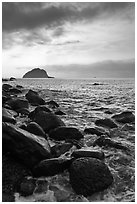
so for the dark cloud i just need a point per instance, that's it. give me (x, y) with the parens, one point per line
(33, 15)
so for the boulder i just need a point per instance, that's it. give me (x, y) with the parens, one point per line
(124, 117)
(51, 167)
(15, 91)
(89, 175)
(12, 79)
(6, 87)
(108, 123)
(88, 153)
(59, 149)
(23, 111)
(7, 116)
(48, 121)
(28, 148)
(63, 133)
(17, 103)
(35, 129)
(12, 174)
(59, 112)
(34, 98)
(38, 109)
(27, 186)
(105, 141)
(94, 131)
(19, 86)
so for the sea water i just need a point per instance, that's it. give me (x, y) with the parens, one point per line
(84, 103)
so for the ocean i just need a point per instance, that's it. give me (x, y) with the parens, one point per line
(84, 102)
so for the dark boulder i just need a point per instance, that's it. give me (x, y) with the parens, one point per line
(35, 129)
(59, 149)
(38, 109)
(6, 87)
(12, 174)
(48, 121)
(59, 112)
(63, 133)
(51, 167)
(26, 147)
(27, 186)
(17, 103)
(124, 117)
(34, 98)
(19, 86)
(89, 175)
(12, 79)
(108, 123)
(105, 141)
(23, 111)
(7, 116)
(15, 91)
(88, 153)
(94, 131)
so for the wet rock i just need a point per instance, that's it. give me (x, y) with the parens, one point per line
(88, 153)
(59, 149)
(63, 133)
(93, 131)
(7, 116)
(15, 91)
(19, 86)
(78, 143)
(108, 112)
(108, 123)
(6, 87)
(35, 129)
(26, 186)
(52, 104)
(48, 121)
(96, 84)
(89, 175)
(18, 103)
(59, 112)
(105, 141)
(124, 117)
(34, 98)
(51, 167)
(23, 111)
(37, 110)
(28, 148)
(12, 79)
(12, 174)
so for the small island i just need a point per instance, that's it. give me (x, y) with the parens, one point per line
(36, 73)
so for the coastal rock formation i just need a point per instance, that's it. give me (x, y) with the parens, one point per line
(63, 133)
(51, 167)
(34, 98)
(17, 103)
(24, 146)
(36, 73)
(7, 116)
(48, 121)
(88, 153)
(108, 123)
(89, 175)
(124, 117)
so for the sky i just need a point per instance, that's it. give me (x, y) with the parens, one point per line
(69, 40)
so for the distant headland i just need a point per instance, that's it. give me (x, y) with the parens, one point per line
(36, 73)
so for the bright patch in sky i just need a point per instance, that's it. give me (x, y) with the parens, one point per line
(65, 35)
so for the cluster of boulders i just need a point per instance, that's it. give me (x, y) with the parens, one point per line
(30, 144)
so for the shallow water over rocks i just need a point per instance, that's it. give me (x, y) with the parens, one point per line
(83, 104)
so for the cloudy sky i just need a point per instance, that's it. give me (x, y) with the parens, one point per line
(69, 40)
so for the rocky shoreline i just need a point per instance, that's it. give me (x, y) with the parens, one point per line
(36, 142)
